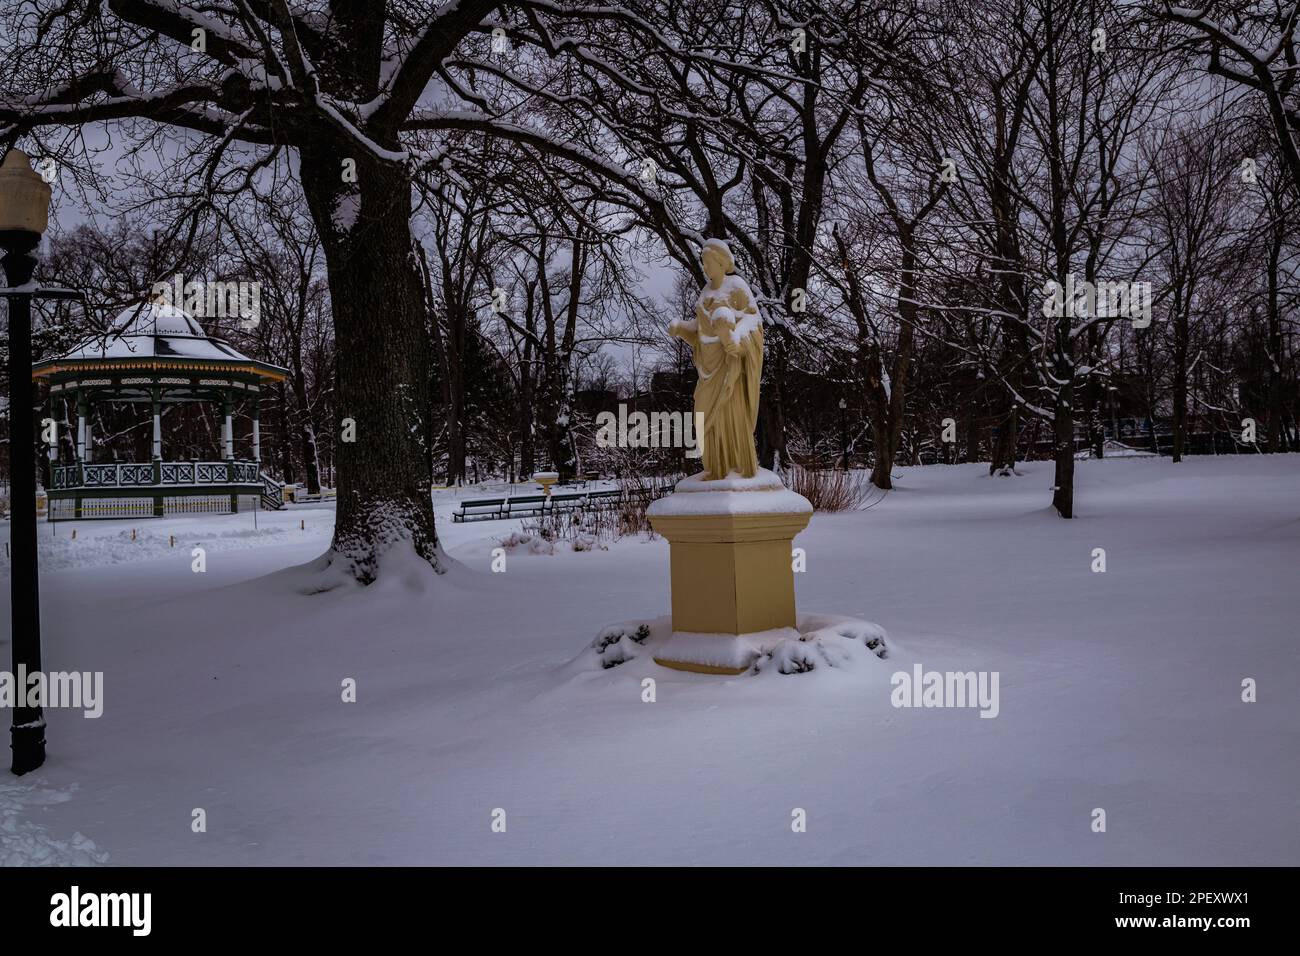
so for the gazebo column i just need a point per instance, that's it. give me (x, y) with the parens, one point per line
(257, 433)
(54, 445)
(81, 428)
(156, 402)
(90, 432)
(81, 453)
(228, 437)
(228, 434)
(51, 453)
(157, 424)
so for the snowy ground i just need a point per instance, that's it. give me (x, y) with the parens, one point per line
(1119, 690)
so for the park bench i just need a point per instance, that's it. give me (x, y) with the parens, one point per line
(525, 506)
(518, 506)
(479, 508)
(298, 495)
(567, 500)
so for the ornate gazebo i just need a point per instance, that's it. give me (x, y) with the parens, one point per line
(157, 354)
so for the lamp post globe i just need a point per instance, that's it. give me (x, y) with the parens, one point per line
(24, 215)
(24, 196)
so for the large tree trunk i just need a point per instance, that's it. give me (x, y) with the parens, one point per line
(1003, 459)
(288, 471)
(972, 428)
(306, 433)
(449, 352)
(383, 363)
(1063, 430)
(883, 466)
(878, 409)
(454, 393)
(551, 412)
(902, 363)
(1275, 356)
(1063, 424)
(527, 443)
(1180, 373)
(310, 455)
(771, 446)
(1096, 430)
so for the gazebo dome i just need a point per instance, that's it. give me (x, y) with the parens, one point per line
(157, 318)
(160, 337)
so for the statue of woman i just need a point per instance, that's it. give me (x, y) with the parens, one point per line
(726, 340)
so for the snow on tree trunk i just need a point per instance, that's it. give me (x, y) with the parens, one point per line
(311, 458)
(306, 431)
(1063, 429)
(1003, 459)
(883, 466)
(1181, 325)
(384, 479)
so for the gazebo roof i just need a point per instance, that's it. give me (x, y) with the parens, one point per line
(160, 337)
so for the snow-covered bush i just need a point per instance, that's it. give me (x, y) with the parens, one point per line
(595, 527)
(620, 643)
(829, 490)
(572, 530)
(533, 541)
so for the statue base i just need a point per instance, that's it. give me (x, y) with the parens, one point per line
(817, 642)
(730, 556)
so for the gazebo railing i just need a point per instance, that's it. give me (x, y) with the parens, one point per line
(135, 475)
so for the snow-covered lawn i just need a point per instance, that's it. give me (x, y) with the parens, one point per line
(1119, 691)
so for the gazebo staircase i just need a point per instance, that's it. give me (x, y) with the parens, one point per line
(272, 494)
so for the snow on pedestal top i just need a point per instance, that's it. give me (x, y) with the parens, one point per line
(764, 493)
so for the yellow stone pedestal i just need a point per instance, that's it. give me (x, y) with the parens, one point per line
(731, 574)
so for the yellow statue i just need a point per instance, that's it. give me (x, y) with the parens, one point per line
(726, 340)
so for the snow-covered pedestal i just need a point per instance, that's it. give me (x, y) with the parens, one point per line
(730, 553)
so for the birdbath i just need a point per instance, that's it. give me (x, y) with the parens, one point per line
(546, 479)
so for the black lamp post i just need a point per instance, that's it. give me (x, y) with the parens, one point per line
(24, 214)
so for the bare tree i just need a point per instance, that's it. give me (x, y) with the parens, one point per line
(339, 86)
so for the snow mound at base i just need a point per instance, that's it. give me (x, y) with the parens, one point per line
(399, 572)
(819, 642)
(24, 843)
